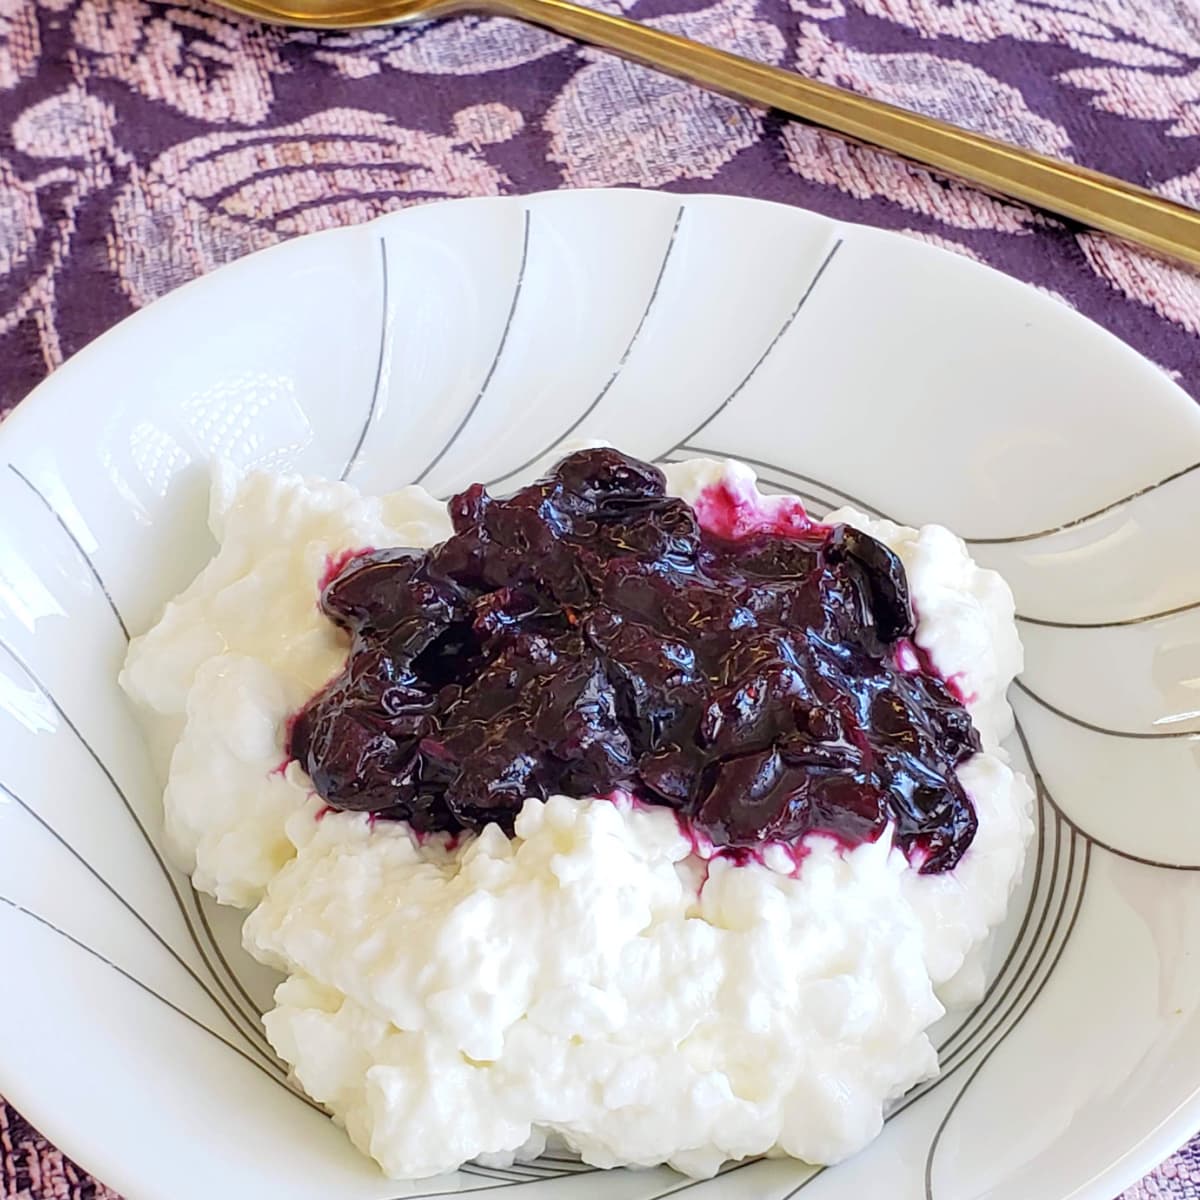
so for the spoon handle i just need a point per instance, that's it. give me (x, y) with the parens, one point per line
(1074, 192)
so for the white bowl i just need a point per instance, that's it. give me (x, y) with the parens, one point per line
(461, 341)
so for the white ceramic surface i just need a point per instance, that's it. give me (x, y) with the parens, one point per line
(460, 341)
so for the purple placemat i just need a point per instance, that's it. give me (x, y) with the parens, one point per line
(142, 144)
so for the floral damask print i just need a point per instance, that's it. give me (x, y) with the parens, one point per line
(864, 173)
(21, 229)
(1145, 94)
(1184, 188)
(470, 45)
(71, 135)
(942, 243)
(1172, 292)
(36, 223)
(819, 10)
(495, 44)
(217, 197)
(953, 91)
(1163, 33)
(70, 125)
(20, 43)
(210, 65)
(485, 124)
(1149, 49)
(945, 88)
(616, 122)
(32, 1169)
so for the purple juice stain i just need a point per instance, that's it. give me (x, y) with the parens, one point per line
(587, 634)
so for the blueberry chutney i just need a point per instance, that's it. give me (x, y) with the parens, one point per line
(587, 634)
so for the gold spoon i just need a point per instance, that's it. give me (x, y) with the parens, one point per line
(1076, 193)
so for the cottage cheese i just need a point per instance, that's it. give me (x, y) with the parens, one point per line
(594, 977)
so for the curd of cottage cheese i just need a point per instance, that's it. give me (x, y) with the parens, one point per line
(594, 977)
